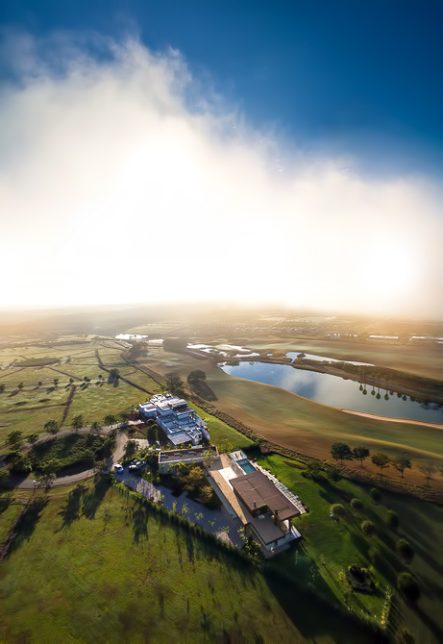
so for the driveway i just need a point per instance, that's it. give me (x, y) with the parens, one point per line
(218, 522)
(119, 450)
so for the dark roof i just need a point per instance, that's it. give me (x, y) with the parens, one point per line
(258, 492)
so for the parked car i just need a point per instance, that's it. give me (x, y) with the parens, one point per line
(136, 465)
(119, 469)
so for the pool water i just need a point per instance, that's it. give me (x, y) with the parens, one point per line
(246, 466)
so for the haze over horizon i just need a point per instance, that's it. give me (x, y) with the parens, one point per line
(129, 175)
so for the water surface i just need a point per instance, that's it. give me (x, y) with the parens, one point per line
(336, 392)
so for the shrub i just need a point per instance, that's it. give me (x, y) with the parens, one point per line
(375, 495)
(405, 550)
(408, 586)
(368, 528)
(393, 520)
(356, 504)
(337, 510)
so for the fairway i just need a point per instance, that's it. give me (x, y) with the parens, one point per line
(309, 428)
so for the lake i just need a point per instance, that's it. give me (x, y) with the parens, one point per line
(335, 391)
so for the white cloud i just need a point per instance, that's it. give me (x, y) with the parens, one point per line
(121, 181)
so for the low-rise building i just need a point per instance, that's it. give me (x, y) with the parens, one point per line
(169, 459)
(173, 415)
(264, 505)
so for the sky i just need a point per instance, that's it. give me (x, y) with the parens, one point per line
(285, 152)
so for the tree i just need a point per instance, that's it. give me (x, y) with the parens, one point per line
(152, 433)
(368, 528)
(356, 504)
(32, 438)
(251, 548)
(96, 427)
(174, 383)
(109, 419)
(77, 422)
(196, 375)
(114, 376)
(14, 439)
(360, 453)
(341, 452)
(408, 586)
(405, 550)
(51, 426)
(380, 460)
(336, 511)
(20, 386)
(401, 464)
(55, 381)
(2, 387)
(130, 449)
(392, 520)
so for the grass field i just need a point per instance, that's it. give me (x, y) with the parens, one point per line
(105, 569)
(332, 546)
(303, 425)
(225, 437)
(28, 409)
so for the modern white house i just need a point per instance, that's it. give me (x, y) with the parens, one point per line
(173, 415)
(264, 506)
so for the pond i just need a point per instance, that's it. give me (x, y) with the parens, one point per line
(336, 392)
(311, 356)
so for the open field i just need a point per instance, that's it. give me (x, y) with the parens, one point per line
(333, 546)
(28, 409)
(305, 426)
(106, 569)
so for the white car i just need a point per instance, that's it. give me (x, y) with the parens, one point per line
(119, 469)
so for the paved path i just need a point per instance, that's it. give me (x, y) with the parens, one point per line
(117, 455)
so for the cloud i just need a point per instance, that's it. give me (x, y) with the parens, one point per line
(123, 178)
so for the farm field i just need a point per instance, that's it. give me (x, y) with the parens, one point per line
(105, 569)
(31, 396)
(329, 547)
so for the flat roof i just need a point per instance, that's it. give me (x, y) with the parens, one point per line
(257, 491)
(183, 454)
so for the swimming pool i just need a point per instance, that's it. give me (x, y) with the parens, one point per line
(246, 466)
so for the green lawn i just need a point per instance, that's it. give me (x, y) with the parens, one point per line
(329, 547)
(225, 437)
(98, 568)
